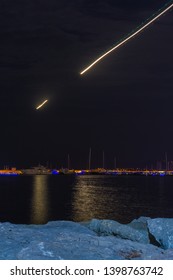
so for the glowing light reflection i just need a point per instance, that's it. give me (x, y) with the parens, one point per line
(40, 203)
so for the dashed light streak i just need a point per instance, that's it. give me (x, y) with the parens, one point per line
(128, 38)
(41, 104)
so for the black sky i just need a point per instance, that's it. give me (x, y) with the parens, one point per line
(122, 106)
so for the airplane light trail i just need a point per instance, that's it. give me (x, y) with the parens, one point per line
(128, 38)
(41, 104)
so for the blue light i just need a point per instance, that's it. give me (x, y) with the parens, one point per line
(55, 172)
(9, 174)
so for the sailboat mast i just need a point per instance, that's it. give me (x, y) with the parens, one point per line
(166, 160)
(68, 161)
(103, 160)
(115, 163)
(89, 159)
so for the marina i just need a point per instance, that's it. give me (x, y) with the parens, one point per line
(41, 170)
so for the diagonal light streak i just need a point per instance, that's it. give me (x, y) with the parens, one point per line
(41, 104)
(128, 38)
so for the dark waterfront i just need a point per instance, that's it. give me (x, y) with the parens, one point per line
(42, 198)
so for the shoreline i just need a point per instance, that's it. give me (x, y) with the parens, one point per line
(142, 239)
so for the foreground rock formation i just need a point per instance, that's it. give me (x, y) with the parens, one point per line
(144, 238)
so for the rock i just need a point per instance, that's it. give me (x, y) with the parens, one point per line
(140, 223)
(162, 230)
(108, 227)
(130, 250)
(64, 240)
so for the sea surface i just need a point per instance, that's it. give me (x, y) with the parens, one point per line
(42, 198)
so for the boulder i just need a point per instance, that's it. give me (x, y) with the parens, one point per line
(162, 230)
(130, 232)
(140, 223)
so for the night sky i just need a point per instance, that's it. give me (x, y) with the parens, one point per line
(124, 105)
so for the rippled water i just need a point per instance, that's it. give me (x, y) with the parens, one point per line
(42, 198)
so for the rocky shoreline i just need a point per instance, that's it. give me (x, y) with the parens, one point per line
(142, 239)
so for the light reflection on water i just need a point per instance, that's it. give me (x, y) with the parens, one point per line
(42, 198)
(39, 200)
(90, 200)
(82, 198)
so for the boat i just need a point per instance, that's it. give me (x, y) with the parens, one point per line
(37, 170)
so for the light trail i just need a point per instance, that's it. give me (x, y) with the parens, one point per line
(41, 104)
(128, 38)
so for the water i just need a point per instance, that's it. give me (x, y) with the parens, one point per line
(42, 198)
